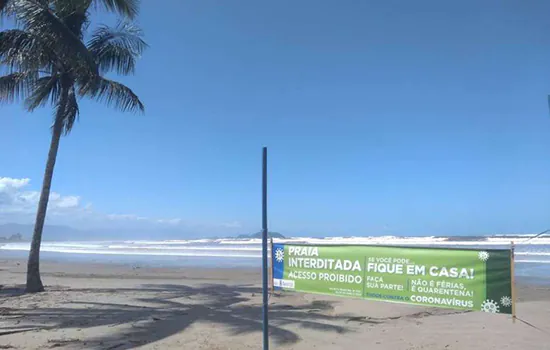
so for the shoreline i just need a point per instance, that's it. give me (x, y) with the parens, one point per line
(536, 275)
(107, 306)
(59, 269)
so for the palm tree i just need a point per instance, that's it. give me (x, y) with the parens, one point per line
(48, 58)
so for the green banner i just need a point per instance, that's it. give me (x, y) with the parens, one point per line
(450, 278)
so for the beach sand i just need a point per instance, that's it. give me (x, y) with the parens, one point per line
(89, 306)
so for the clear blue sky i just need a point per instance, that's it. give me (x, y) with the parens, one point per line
(393, 117)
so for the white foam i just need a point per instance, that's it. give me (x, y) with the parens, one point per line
(117, 246)
(533, 261)
(393, 240)
(73, 245)
(532, 253)
(251, 248)
(159, 242)
(135, 252)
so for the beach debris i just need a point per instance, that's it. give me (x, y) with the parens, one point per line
(414, 316)
(8, 332)
(365, 319)
(490, 306)
(56, 343)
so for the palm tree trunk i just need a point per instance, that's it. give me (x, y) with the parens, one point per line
(34, 283)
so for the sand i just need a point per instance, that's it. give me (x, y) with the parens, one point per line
(89, 306)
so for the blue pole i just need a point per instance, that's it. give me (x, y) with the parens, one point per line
(264, 251)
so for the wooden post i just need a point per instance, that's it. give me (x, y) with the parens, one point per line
(513, 280)
(272, 286)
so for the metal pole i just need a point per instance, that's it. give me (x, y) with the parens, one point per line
(264, 251)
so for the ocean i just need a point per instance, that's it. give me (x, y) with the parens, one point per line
(532, 256)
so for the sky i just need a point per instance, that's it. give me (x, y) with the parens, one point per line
(381, 118)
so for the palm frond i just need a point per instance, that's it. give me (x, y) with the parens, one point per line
(117, 48)
(114, 94)
(73, 13)
(43, 88)
(71, 111)
(16, 86)
(3, 5)
(77, 22)
(64, 8)
(37, 18)
(6, 9)
(21, 50)
(126, 8)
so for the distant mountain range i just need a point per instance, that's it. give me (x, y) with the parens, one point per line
(258, 235)
(66, 233)
(51, 232)
(12, 238)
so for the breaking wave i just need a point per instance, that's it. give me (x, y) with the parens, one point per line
(527, 251)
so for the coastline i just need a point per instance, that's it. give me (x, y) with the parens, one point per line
(110, 306)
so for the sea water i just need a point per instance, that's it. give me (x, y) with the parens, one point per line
(532, 255)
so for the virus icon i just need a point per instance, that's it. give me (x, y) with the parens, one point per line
(279, 255)
(506, 301)
(483, 256)
(490, 306)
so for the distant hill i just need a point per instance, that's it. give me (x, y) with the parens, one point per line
(51, 232)
(67, 233)
(258, 235)
(17, 237)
